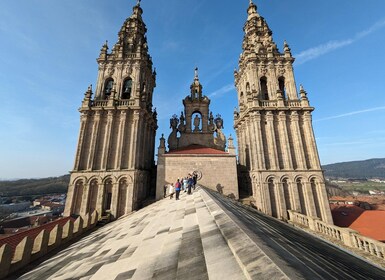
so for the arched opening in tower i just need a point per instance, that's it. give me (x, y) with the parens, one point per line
(281, 84)
(108, 86)
(127, 88)
(196, 121)
(264, 91)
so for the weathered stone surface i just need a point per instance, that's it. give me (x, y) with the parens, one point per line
(190, 247)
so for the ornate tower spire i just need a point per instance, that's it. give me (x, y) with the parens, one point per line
(275, 136)
(117, 130)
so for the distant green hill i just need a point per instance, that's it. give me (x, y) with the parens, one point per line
(371, 168)
(24, 187)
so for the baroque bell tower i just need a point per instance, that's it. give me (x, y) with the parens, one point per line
(278, 157)
(115, 152)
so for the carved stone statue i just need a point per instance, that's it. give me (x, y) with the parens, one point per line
(182, 126)
(172, 138)
(197, 121)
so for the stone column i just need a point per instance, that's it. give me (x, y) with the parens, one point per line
(309, 200)
(273, 154)
(290, 82)
(94, 140)
(310, 141)
(85, 199)
(294, 196)
(241, 146)
(100, 82)
(115, 199)
(266, 199)
(283, 135)
(250, 145)
(281, 204)
(324, 203)
(120, 137)
(107, 140)
(297, 141)
(139, 141)
(134, 140)
(100, 199)
(83, 129)
(144, 144)
(259, 140)
(69, 200)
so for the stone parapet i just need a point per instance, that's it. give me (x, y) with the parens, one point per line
(346, 236)
(34, 246)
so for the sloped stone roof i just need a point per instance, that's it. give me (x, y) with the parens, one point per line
(170, 239)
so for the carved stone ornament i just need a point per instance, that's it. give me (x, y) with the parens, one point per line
(263, 70)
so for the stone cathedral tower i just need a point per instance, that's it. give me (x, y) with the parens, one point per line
(278, 157)
(115, 153)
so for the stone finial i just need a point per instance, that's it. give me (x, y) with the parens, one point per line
(103, 51)
(303, 94)
(88, 93)
(286, 49)
(196, 73)
(162, 143)
(138, 2)
(230, 143)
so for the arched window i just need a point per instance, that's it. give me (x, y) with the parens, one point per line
(281, 84)
(108, 85)
(247, 87)
(127, 88)
(264, 91)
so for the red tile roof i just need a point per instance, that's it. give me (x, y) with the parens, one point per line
(197, 150)
(371, 224)
(15, 239)
(345, 215)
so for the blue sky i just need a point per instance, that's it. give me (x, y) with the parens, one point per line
(48, 50)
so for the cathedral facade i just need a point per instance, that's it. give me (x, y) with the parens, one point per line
(114, 161)
(278, 162)
(278, 157)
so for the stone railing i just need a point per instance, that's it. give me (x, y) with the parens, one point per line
(346, 236)
(293, 103)
(125, 102)
(100, 103)
(31, 248)
(268, 103)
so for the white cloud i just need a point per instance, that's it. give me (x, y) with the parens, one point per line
(222, 90)
(351, 113)
(330, 46)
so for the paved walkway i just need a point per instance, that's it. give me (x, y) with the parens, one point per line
(191, 238)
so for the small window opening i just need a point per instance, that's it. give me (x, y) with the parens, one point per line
(127, 88)
(264, 91)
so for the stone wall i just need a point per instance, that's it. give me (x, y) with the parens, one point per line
(217, 172)
(32, 247)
